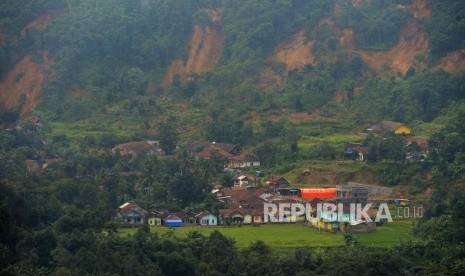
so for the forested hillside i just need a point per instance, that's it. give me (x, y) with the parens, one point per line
(289, 81)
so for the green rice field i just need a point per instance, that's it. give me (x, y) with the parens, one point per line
(282, 236)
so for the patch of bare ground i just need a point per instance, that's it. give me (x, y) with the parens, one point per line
(346, 38)
(268, 78)
(23, 83)
(176, 68)
(304, 117)
(363, 175)
(452, 63)
(43, 20)
(413, 43)
(418, 9)
(357, 3)
(204, 51)
(296, 53)
(253, 116)
(318, 176)
(339, 97)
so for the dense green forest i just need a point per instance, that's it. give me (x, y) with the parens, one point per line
(109, 59)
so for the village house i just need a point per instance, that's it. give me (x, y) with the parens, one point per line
(130, 214)
(276, 182)
(31, 124)
(244, 161)
(240, 216)
(154, 218)
(283, 203)
(356, 151)
(206, 218)
(173, 221)
(417, 144)
(198, 146)
(333, 217)
(417, 149)
(243, 198)
(186, 217)
(390, 126)
(243, 181)
(351, 194)
(330, 220)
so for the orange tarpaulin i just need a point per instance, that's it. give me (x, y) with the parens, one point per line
(321, 193)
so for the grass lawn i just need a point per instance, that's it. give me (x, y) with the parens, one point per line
(388, 235)
(287, 236)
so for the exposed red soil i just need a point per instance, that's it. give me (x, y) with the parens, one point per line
(176, 68)
(43, 20)
(413, 44)
(296, 53)
(204, 51)
(418, 9)
(26, 79)
(339, 97)
(452, 63)
(357, 3)
(304, 117)
(268, 78)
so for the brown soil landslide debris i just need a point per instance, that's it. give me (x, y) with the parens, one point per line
(296, 53)
(453, 63)
(24, 83)
(418, 9)
(204, 51)
(43, 20)
(413, 43)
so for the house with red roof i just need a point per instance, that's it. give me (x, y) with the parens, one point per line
(129, 214)
(275, 182)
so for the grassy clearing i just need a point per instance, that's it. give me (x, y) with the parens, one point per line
(332, 167)
(126, 122)
(287, 236)
(388, 235)
(337, 139)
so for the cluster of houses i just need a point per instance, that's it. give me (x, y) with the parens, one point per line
(199, 149)
(245, 205)
(418, 147)
(131, 215)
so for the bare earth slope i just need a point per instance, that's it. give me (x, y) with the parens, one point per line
(296, 53)
(204, 51)
(25, 80)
